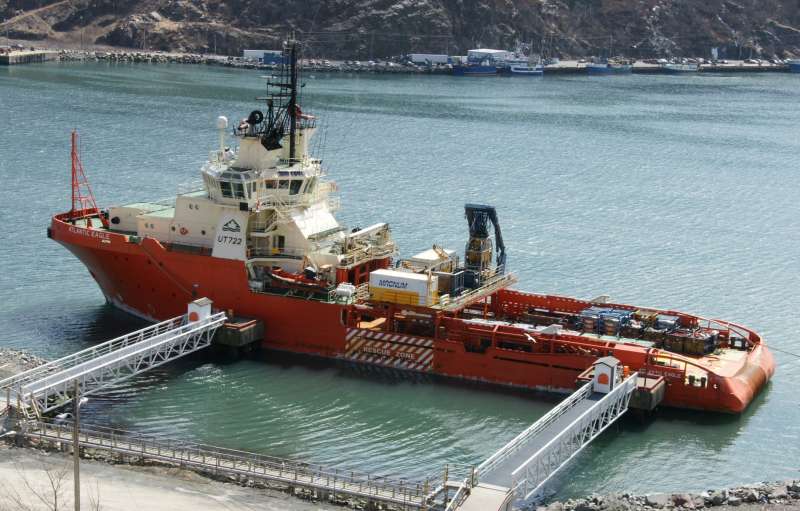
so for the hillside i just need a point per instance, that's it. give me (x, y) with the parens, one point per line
(377, 28)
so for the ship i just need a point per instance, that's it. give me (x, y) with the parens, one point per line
(608, 66)
(484, 68)
(680, 67)
(260, 238)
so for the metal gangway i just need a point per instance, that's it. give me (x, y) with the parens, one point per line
(516, 474)
(333, 484)
(52, 385)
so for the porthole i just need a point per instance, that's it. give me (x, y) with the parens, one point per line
(173, 227)
(203, 232)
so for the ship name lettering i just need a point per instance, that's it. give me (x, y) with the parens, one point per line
(89, 233)
(663, 372)
(230, 240)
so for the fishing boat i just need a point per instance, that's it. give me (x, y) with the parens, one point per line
(680, 68)
(260, 238)
(475, 69)
(609, 66)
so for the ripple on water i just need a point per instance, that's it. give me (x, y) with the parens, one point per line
(674, 191)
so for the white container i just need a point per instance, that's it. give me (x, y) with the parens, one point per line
(403, 287)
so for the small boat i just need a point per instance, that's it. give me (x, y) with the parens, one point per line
(527, 70)
(607, 67)
(794, 66)
(676, 68)
(470, 69)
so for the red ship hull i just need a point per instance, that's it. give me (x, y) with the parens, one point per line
(147, 279)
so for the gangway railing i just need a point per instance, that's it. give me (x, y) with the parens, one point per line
(52, 385)
(530, 477)
(400, 492)
(522, 440)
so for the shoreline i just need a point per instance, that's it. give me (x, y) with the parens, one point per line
(764, 495)
(380, 66)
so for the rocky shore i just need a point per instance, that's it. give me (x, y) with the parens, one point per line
(785, 494)
(15, 361)
(131, 56)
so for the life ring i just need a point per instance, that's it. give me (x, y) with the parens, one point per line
(184, 231)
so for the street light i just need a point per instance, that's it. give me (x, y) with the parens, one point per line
(76, 449)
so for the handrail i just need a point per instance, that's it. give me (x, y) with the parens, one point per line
(140, 346)
(220, 458)
(93, 351)
(543, 422)
(626, 387)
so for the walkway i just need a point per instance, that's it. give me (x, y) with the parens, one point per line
(217, 460)
(517, 473)
(52, 385)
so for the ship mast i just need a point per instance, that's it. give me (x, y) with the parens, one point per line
(83, 203)
(283, 110)
(292, 100)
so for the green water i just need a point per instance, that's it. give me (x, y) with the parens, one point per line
(665, 191)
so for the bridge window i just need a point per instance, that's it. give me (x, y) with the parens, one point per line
(283, 184)
(296, 184)
(270, 184)
(226, 189)
(238, 190)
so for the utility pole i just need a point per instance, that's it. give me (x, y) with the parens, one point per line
(76, 450)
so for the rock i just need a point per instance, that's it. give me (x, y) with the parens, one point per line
(778, 492)
(683, 500)
(751, 496)
(585, 505)
(657, 500)
(555, 506)
(616, 503)
(734, 501)
(719, 498)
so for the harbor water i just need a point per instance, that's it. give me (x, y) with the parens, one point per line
(675, 191)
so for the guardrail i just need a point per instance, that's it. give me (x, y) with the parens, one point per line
(407, 494)
(531, 475)
(52, 385)
(519, 441)
(37, 373)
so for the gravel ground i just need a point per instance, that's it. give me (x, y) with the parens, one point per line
(25, 475)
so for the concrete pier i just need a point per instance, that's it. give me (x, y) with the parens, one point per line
(27, 57)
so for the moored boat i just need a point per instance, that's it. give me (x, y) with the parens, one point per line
(607, 67)
(680, 68)
(474, 69)
(794, 66)
(260, 238)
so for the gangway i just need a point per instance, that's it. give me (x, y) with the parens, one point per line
(523, 466)
(52, 385)
(399, 493)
